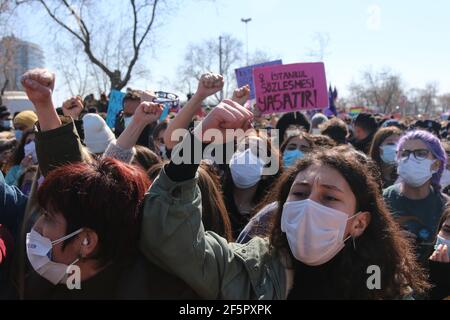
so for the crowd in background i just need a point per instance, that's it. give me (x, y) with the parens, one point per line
(351, 191)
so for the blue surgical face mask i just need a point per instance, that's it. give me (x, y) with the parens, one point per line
(444, 242)
(290, 157)
(389, 154)
(19, 135)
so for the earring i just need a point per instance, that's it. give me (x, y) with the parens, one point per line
(354, 243)
(85, 242)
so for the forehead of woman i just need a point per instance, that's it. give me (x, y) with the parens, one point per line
(392, 139)
(299, 141)
(415, 144)
(323, 176)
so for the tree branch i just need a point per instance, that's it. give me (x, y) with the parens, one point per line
(58, 21)
(138, 47)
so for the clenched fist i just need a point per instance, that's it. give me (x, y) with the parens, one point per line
(209, 84)
(227, 115)
(73, 107)
(241, 95)
(148, 112)
(39, 85)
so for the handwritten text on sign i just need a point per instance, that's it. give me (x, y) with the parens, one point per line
(292, 87)
(244, 75)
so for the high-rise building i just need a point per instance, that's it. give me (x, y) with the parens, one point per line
(17, 57)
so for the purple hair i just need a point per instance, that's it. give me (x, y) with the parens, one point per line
(434, 145)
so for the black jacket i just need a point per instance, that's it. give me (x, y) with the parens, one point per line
(440, 279)
(139, 280)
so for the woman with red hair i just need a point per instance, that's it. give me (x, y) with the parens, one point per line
(90, 219)
(84, 245)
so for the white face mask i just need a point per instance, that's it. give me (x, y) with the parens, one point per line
(39, 251)
(30, 150)
(389, 154)
(415, 173)
(127, 121)
(445, 180)
(315, 233)
(246, 169)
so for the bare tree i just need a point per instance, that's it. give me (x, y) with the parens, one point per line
(8, 47)
(382, 90)
(429, 98)
(83, 21)
(5, 6)
(424, 100)
(414, 103)
(204, 57)
(444, 101)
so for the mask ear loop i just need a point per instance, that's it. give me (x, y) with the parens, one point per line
(73, 234)
(350, 236)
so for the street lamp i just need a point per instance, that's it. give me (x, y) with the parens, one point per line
(246, 21)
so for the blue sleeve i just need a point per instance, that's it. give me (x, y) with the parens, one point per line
(12, 206)
(13, 176)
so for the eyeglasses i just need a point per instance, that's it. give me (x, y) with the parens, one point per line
(166, 95)
(168, 99)
(419, 154)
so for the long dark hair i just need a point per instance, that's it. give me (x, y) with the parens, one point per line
(444, 217)
(215, 216)
(382, 243)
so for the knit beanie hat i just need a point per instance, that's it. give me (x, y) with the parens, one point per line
(26, 118)
(97, 134)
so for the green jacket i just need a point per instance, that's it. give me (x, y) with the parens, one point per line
(173, 237)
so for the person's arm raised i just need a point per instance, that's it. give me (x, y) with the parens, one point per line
(39, 85)
(123, 148)
(146, 113)
(241, 95)
(209, 84)
(172, 234)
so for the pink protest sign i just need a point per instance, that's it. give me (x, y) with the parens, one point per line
(291, 87)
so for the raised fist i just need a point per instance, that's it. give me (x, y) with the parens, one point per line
(148, 112)
(209, 84)
(241, 95)
(73, 107)
(39, 85)
(227, 115)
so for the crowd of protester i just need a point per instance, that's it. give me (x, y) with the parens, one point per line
(117, 203)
